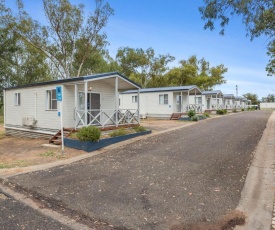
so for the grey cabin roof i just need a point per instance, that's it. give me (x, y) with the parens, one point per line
(239, 98)
(163, 89)
(229, 96)
(213, 92)
(75, 79)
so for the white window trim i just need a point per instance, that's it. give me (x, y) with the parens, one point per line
(197, 99)
(162, 102)
(17, 99)
(134, 99)
(49, 100)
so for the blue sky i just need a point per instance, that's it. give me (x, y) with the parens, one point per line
(175, 27)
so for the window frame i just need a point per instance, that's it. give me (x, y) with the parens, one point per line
(17, 99)
(198, 100)
(164, 101)
(134, 99)
(50, 100)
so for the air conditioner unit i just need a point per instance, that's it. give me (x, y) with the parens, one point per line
(28, 121)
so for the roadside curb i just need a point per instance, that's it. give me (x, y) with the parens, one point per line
(257, 196)
(44, 211)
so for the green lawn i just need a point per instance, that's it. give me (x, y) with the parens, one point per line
(1, 119)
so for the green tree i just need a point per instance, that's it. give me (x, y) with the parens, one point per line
(19, 63)
(253, 97)
(270, 98)
(58, 39)
(198, 72)
(97, 61)
(143, 66)
(257, 15)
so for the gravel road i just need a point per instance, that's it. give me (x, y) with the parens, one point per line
(15, 215)
(177, 178)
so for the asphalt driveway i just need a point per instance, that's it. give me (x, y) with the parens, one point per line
(185, 176)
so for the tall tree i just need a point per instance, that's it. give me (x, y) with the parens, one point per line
(253, 97)
(257, 15)
(270, 98)
(66, 25)
(143, 66)
(198, 72)
(97, 61)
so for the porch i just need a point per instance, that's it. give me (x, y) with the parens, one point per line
(214, 100)
(187, 100)
(96, 102)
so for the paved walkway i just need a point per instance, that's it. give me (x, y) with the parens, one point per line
(194, 174)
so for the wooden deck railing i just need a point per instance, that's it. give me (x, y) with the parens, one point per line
(106, 117)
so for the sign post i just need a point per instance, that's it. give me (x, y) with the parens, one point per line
(60, 113)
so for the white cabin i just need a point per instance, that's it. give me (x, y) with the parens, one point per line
(213, 100)
(88, 100)
(229, 101)
(163, 102)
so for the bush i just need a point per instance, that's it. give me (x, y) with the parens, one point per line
(242, 109)
(191, 113)
(118, 132)
(90, 133)
(139, 129)
(206, 114)
(221, 111)
(195, 118)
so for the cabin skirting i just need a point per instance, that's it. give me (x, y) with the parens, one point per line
(35, 133)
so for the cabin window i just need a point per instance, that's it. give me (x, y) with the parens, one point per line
(51, 99)
(17, 99)
(163, 99)
(134, 99)
(198, 100)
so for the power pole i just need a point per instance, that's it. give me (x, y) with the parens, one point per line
(236, 90)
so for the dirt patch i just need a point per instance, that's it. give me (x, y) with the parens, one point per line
(22, 152)
(226, 222)
(159, 125)
(18, 152)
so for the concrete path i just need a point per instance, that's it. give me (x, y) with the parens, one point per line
(194, 174)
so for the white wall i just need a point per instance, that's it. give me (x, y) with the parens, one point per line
(48, 119)
(267, 105)
(14, 114)
(149, 103)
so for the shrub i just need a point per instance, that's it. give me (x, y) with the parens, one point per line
(206, 114)
(90, 133)
(220, 111)
(225, 111)
(194, 118)
(139, 129)
(118, 132)
(191, 113)
(242, 109)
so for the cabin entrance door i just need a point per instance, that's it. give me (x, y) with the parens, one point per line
(93, 107)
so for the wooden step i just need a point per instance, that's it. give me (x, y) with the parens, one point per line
(175, 116)
(56, 139)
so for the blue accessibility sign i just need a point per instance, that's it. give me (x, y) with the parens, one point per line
(58, 93)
